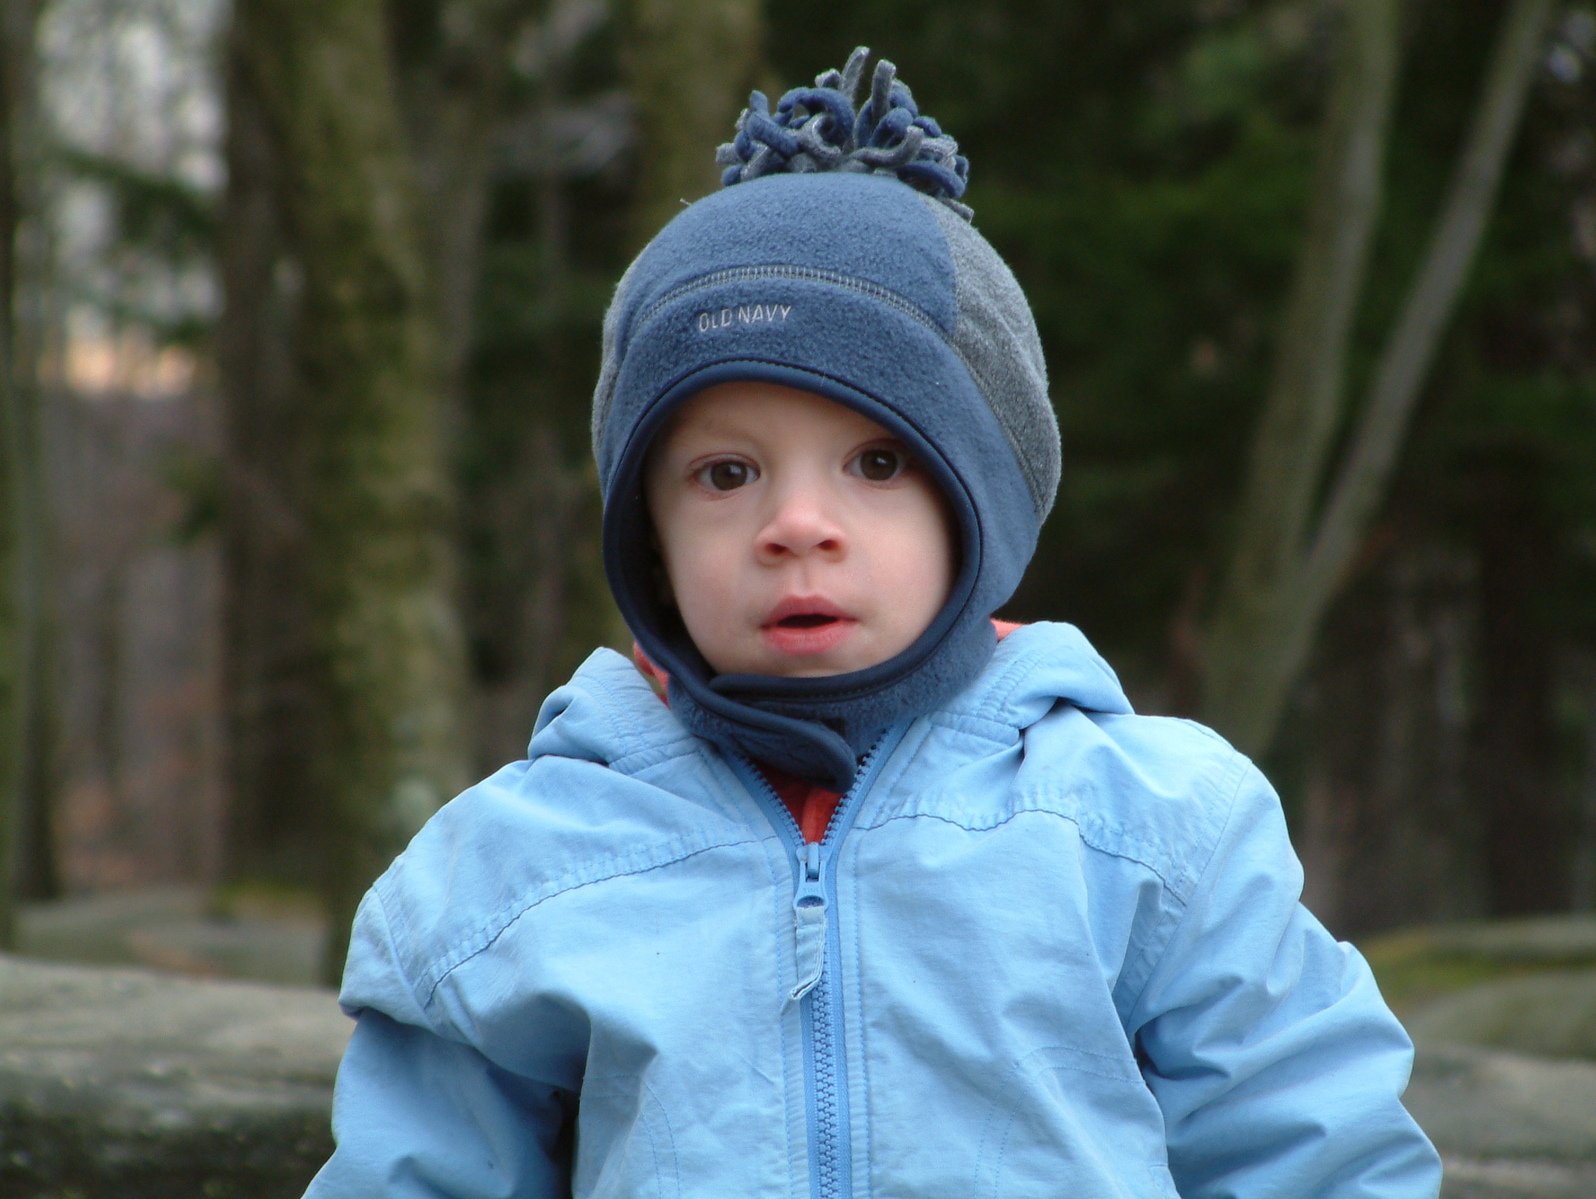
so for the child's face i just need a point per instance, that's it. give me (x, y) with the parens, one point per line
(799, 537)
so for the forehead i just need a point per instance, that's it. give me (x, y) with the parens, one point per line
(750, 408)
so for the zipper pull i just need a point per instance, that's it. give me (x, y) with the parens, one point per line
(809, 921)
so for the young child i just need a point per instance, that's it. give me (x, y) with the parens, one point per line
(876, 901)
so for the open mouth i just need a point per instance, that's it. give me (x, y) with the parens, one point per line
(804, 625)
(805, 620)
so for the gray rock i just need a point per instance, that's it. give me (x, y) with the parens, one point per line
(179, 929)
(1504, 1016)
(1509, 1126)
(1488, 1105)
(132, 1084)
(1535, 940)
(1551, 1014)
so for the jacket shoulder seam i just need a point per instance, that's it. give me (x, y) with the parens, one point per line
(619, 865)
(390, 921)
(1146, 964)
(1092, 837)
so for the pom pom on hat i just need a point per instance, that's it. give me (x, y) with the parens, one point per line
(817, 129)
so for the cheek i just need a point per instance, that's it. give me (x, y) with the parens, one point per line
(937, 577)
(697, 571)
(939, 542)
(922, 561)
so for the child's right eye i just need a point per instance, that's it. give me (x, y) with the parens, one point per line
(726, 475)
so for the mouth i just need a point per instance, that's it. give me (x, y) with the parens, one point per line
(806, 626)
(804, 612)
(807, 620)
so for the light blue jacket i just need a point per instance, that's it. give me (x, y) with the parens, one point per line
(1048, 948)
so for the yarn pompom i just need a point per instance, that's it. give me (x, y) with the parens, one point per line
(819, 129)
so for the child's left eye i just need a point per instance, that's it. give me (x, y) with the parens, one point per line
(880, 464)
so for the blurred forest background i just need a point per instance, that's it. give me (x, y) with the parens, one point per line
(300, 325)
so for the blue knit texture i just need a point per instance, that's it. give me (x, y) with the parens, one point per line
(818, 129)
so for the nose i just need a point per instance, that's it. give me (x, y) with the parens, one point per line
(802, 521)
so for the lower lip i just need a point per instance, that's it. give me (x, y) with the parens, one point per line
(803, 641)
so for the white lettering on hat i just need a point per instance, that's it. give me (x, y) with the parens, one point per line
(743, 314)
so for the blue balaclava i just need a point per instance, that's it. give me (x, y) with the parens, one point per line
(837, 259)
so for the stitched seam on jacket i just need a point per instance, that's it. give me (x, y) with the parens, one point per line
(1000, 696)
(998, 732)
(1095, 843)
(1085, 1061)
(653, 1119)
(616, 713)
(857, 1118)
(624, 865)
(637, 761)
(1147, 962)
(389, 921)
(670, 1140)
(615, 705)
(995, 697)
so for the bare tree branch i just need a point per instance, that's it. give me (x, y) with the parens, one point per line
(1280, 585)
(1303, 408)
(1405, 362)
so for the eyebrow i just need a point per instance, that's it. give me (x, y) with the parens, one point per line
(712, 427)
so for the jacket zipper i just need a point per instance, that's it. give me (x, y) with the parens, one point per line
(819, 946)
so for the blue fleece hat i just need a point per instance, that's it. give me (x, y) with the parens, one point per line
(839, 260)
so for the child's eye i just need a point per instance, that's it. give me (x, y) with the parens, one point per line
(728, 474)
(881, 463)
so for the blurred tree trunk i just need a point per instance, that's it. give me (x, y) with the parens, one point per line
(453, 68)
(270, 697)
(541, 600)
(456, 62)
(1389, 833)
(1531, 826)
(1583, 882)
(13, 636)
(377, 509)
(1303, 518)
(453, 61)
(691, 64)
(27, 851)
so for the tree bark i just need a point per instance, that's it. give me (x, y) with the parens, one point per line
(270, 697)
(454, 67)
(378, 505)
(455, 74)
(690, 64)
(11, 640)
(1531, 826)
(1292, 552)
(1389, 834)
(24, 728)
(1583, 882)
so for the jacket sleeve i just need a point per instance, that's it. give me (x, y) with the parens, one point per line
(419, 1113)
(416, 1116)
(1277, 1064)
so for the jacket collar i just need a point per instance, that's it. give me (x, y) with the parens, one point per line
(609, 713)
